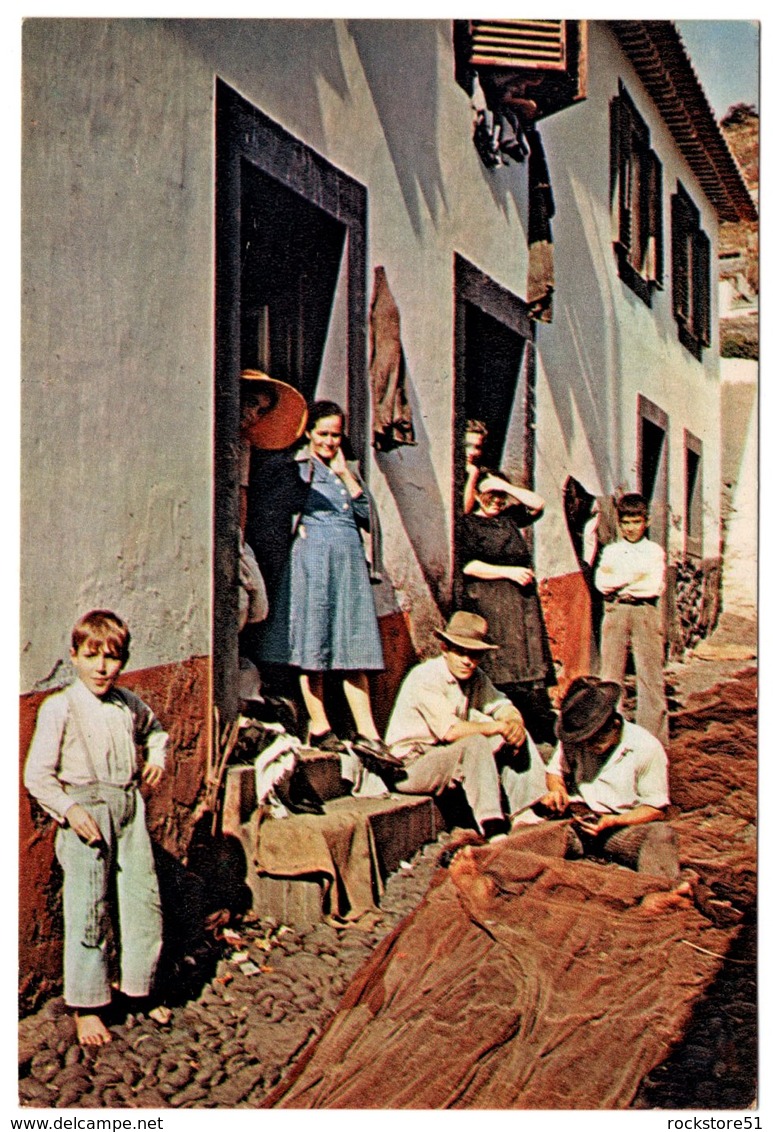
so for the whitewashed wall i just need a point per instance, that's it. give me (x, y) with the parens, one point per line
(740, 474)
(118, 300)
(117, 338)
(605, 345)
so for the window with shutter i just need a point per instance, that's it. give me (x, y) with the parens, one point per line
(636, 193)
(691, 274)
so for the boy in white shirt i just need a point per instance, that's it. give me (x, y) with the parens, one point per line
(631, 575)
(84, 767)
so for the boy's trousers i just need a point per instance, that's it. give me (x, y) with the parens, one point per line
(126, 857)
(640, 627)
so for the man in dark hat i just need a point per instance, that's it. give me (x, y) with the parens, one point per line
(614, 776)
(451, 725)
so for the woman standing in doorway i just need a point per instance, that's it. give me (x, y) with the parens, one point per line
(324, 618)
(498, 583)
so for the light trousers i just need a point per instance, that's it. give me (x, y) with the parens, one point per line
(473, 763)
(470, 761)
(126, 856)
(638, 627)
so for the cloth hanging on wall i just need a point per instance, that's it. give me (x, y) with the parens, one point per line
(541, 280)
(392, 419)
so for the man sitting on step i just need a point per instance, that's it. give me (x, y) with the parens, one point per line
(614, 776)
(451, 725)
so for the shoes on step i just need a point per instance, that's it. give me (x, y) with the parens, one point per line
(327, 741)
(377, 751)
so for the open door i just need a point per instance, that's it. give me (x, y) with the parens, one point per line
(290, 300)
(494, 376)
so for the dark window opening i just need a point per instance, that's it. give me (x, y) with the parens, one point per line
(691, 273)
(693, 491)
(653, 467)
(636, 191)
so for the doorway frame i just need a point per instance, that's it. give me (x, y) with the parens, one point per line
(243, 133)
(472, 286)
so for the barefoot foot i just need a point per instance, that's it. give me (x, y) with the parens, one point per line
(677, 899)
(91, 1030)
(161, 1014)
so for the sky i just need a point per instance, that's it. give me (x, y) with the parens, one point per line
(725, 55)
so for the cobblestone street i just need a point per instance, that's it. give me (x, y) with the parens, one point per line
(265, 990)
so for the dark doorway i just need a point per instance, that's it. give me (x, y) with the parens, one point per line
(653, 467)
(291, 255)
(493, 356)
(494, 375)
(290, 300)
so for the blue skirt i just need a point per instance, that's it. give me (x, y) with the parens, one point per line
(323, 617)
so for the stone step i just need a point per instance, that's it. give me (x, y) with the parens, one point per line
(399, 825)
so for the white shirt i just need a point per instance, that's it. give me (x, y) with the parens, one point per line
(634, 774)
(113, 726)
(431, 701)
(632, 569)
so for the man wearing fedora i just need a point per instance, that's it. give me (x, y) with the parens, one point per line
(451, 725)
(614, 776)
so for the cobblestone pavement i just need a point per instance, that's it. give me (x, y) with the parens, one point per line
(273, 990)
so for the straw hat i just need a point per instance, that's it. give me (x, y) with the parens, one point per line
(282, 424)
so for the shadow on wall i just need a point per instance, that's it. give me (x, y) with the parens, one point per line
(264, 54)
(410, 474)
(398, 56)
(585, 335)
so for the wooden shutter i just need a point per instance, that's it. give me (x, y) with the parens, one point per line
(624, 142)
(655, 201)
(537, 44)
(680, 224)
(615, 114)
(702, 288)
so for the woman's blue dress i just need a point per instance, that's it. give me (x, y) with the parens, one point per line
(323, 617)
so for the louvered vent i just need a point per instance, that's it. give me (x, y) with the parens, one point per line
(530, 44)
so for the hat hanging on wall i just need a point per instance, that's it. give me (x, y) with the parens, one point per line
(284, 418)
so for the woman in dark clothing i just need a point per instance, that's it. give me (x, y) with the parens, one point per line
(498, 583)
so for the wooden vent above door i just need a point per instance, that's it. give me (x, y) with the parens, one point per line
(533, 44)
(541, 61)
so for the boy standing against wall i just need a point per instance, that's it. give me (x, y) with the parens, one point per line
(84, 767)
(631, 575)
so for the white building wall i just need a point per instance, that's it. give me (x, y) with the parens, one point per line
(118, 312)
(117, 338)
(740, 474)
(118, 300)
(605, 345)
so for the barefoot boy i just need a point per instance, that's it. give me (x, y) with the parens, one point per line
(93, 743)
